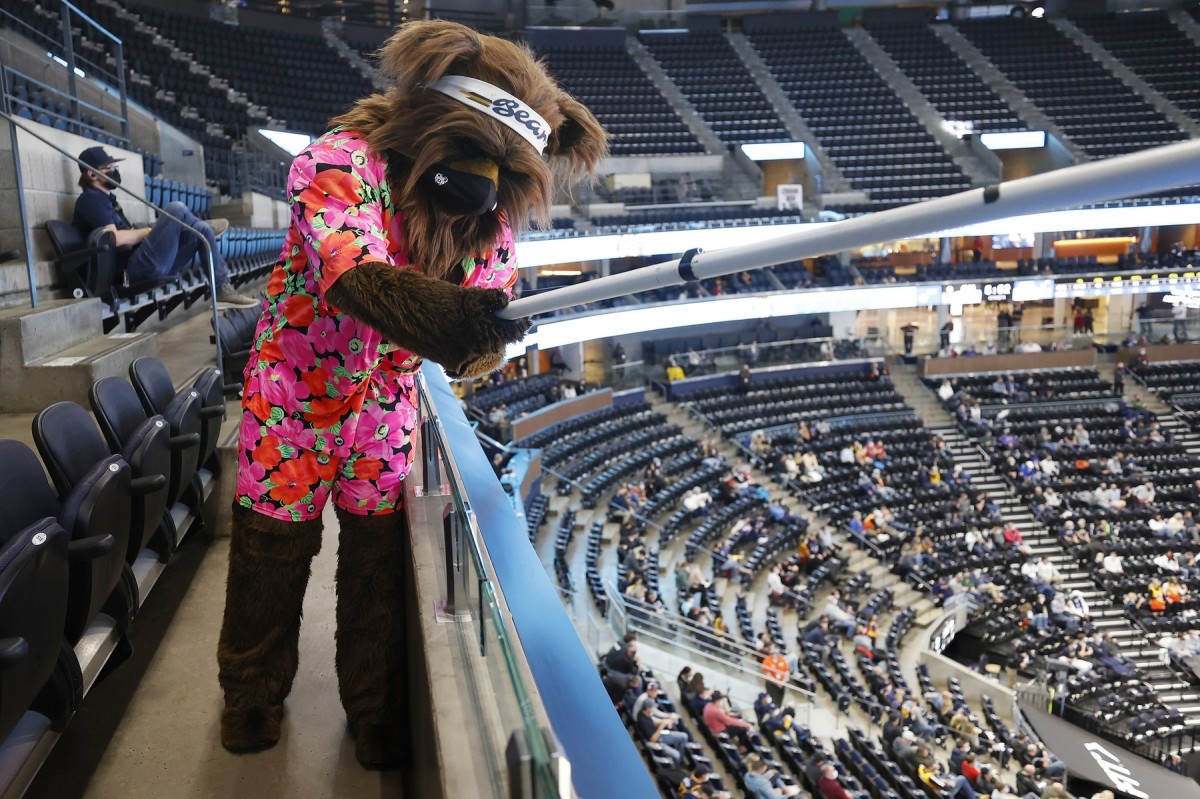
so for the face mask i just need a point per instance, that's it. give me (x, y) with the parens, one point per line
(114, 176)
(459, 193)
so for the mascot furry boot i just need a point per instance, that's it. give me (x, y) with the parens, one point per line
(401, 248)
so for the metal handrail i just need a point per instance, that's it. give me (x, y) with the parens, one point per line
(206, 250)
(727, 644)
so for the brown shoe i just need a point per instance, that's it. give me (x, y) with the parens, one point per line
(219, 226)
(227, 297)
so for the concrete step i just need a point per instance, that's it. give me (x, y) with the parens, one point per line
(31, 334)
(70, 373)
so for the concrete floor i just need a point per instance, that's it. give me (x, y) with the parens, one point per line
(151, 728)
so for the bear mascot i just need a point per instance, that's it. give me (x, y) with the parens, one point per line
(400, 248)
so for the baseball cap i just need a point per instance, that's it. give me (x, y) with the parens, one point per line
(908, 735)
(96, 158)
(703, 769)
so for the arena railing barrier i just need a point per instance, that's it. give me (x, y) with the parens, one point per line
(688, 643)
(524, 666)
(1130, 175)
(206, 254)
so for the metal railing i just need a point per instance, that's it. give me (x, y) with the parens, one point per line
(692, 643)
(504, 607)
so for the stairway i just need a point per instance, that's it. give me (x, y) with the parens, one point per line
(55, 352)
(1185, 23)
(1127, 76)
(1107, 615)
(687, 112)
(329, 32)
(934, 123)
(995, 80)
(796, 126)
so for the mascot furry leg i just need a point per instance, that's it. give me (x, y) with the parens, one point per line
(269, 565)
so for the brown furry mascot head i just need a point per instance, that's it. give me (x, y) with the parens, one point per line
(425, 127)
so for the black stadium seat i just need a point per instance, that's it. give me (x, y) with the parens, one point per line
(210, 385)
(95, 512)
(71, 445)
(145, 443)
(33, 584)
(183, 413)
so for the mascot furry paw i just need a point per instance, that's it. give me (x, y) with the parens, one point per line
(400, 248)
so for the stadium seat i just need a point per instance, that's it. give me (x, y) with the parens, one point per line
(182, 412)
(93, 505)
(33, 585)
(145, 443)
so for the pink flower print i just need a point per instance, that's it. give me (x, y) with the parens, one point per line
(296, 347)
(296, 432)
(323, 333)
(281, 388)
(250, 480)
(250, 431)
(335, 213)
(396, 471)
(304, 169)
(359, 494)
(377, 430)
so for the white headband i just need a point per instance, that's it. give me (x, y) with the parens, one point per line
(498, 104)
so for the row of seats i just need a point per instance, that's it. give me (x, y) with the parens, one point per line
(81, 556)
(90, 269)
(1103, 116)
(610, 83)
(247, 57)
(161, 191)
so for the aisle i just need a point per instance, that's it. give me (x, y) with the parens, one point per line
(151, 729)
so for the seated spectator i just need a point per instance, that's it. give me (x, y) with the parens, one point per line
(718, 720)
(828, 785)
(623, 655)
(759, 783)
(1028, 782)
(658, 731)
(162, 251)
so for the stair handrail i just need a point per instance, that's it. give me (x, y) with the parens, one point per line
(205, 249)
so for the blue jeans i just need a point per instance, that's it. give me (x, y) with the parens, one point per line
(962, 789)
(169, 248)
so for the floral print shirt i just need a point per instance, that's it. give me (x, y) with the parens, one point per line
(312, 367)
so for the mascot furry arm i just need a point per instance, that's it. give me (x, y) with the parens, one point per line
(454, 326)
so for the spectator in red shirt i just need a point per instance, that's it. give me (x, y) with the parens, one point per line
(970, 770)
(719, 721)
(828, 785)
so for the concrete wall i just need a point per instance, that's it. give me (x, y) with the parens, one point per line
(1008, 363)
(50, 192)
(182, 156)
(941, 668)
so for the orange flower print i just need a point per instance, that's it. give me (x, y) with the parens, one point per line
(299, 310)
(339, 252)
(295, 479)
(267, 452)
(367, 468)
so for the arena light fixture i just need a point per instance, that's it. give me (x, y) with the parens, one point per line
(1013, 140)
(774, 151)
(292, 143)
